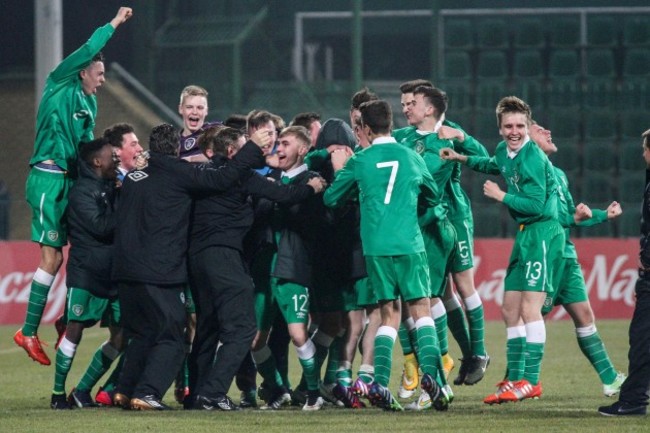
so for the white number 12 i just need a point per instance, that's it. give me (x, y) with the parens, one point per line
(394, 166)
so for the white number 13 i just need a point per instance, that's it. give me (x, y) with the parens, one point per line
(394, 166)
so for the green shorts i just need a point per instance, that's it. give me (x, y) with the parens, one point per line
(392, 277)
(536, 259)
(365, 296)
(571, 288)
(89, 309)
(47, 195)
(464, 257)
(292, 300)
(440, 244)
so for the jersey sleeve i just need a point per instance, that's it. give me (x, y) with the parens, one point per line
(343, 185)
(483, 164)
(531, 195)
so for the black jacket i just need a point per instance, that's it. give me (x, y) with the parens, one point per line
(644, 254)
(154, 213)
(224, 218)
(91, 223)
(300, 226)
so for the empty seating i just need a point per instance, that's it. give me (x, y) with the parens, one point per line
(631, 185)
(629, 155)
(599, 156)
(529, 33)
(602, 31)
(636, 31)
(564, 86)
(629, 223)
(600, 124)
(564, 124)
(564, 31)
(457, 65)
(596, 187)
(492, 33)
(459, 34)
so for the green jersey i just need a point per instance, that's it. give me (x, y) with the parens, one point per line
(532, 189)
(66, 115)
(459, 205)
(392, 181)
(428, 145)
(566, 209)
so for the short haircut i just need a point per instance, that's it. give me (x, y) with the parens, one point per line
(410, 86)
(300, 132)
(363, 95)
(99, 57)
(193, 90)
(512, 104)
(218, 138)
(646, 139)
(89, 150)
(115, 133)
(237, 121)
(436, 97)
(278, 121)
(257, 118)
(164, 139)
(305, 119)
(377, 115)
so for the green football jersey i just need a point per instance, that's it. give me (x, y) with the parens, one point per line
(532, 189)
(566, 209)
(392, 182)
(66, 115)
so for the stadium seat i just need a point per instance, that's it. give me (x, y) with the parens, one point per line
(602, 31)
(600, 124)
(564, 31)
(630, 155)
(529, 33)
(603, 230)
(564, 88)
(459, 34)
(634, 93)
(630, 185)
(629, 222)
(599, 155)
(485, 127)
(568, 155)
(636, 31)
(564, 124)
(600, 63)
(634, 123)
(492, 33)
(596, 187)
(528, 78)
(528, 64)
(636, 63)
(457, 65)
(492, 64)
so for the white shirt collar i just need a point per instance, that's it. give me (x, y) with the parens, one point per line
(295, 171)
(383, 140)
(513, 153)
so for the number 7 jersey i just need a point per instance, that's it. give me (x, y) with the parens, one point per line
(392, 182)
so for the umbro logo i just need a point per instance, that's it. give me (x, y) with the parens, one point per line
(137, 175)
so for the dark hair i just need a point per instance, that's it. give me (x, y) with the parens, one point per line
(164, 139)
(218, 138)
(435, 97)
(257, 118)
(410, 86)
(377, 115)
(90, 149)
(304, 119)
(237, 121)
(363, 95)
(99, 57)
(512, 104)
(115, 133)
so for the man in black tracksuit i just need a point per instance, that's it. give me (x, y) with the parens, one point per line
(633, 399)
(221, 285)
(154, 215)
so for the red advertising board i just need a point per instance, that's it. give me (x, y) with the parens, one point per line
(609, 267)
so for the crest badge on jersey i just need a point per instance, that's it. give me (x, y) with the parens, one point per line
(53, 235)
(189, 143)
(77, 310)
(419, 147)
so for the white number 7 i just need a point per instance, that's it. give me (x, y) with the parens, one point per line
(394, 165)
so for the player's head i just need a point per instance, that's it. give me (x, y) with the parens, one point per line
(309, 120)
(261, 119)
(513, 118)
(363, 95)
(193, 108)
(92, 76)
(164, 139)
(221, 140)
(646, 147)
(293, 144)
(279, 123)
(428, 102)
(237, 121)
(408, 98)
(98, 154)
(376, 117)
(542, 137)
(125, 144)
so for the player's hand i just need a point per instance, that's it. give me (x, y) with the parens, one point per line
(123, 14)
(450, 154)
(614, 210)
(582, 213)
(339, 158)
(449, 133)
(272, 160)
(492, 190)
(262, 137)
(318, 183)
(332, 147)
